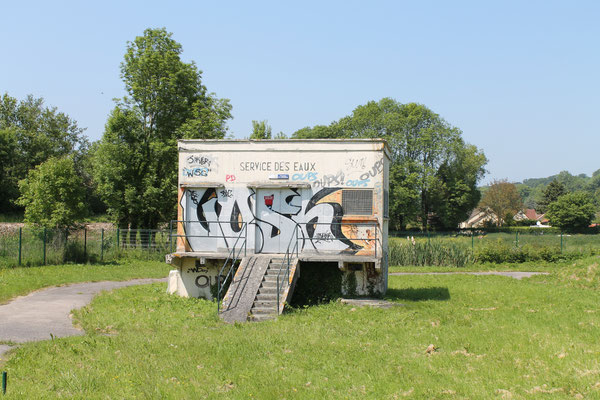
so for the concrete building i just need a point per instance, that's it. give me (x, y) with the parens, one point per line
(268, 207)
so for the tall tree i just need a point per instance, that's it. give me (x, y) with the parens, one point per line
(551, 193)
(430, 161)
(260, 130)
(502, 197)
(572, 212)
(135, 163)
(53, 194)
(31, 133)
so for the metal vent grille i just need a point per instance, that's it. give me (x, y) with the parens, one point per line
(357, 202)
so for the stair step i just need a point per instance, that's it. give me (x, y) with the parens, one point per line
(262, 317)
(267, 290)
(265, 303)
(263, 310)
(265, 296)
(269, 284)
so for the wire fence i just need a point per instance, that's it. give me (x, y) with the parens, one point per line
(459, 248)
(30, 246)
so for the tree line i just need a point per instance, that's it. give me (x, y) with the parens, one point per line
(570, 208)
(49, 169)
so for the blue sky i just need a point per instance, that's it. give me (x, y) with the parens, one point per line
(521, 79)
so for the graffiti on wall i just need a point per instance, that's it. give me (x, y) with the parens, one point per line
(217, 216)
(197, 165)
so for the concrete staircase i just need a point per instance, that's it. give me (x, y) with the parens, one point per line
(265, 304)
(252, 294)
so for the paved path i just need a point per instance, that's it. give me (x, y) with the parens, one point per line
(46, 312)
(516, 274)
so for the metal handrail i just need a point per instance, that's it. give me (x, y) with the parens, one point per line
(186, 235)
(287, 256)
(374, 224)
(232, 257)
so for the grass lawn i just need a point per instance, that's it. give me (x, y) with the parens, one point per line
(496, 337)
(22, 280)
(534, 266)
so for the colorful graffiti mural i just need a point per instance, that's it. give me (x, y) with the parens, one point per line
(275, 218)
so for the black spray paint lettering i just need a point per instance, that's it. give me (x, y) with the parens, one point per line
(227, 193)
(231, 214)
(375, 170)
(326, 237)
(197, 268)
(203, 281)
(198, 160)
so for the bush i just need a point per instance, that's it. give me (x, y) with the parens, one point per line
(501, 252)
(411, 252)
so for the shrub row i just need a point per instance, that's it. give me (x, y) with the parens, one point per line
(437, 253)
(433, 253)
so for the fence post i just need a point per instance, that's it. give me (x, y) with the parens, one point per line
(472, 240)
(20, 243)
(118, 241)
(561, 243)
(44, 246)
(85, 243)
(170, 236)
(4, 381)
(517, 239)
(102, 245)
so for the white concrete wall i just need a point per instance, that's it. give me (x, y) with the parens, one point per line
(193, 279)
(225, 187)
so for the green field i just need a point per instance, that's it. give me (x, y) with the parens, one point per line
(464, 250)
(495, 337)
(570, 242)
(19, 281)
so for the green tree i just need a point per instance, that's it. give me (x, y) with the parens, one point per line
(572, 212)
(260, 130)
(135, 163)
(53, 194)
(30, 134)
(551, 193)
(503, 199)
(430, 161)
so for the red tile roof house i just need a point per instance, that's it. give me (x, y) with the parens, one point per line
(479, 217)
(530, 214)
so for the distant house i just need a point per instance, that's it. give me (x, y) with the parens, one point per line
(480, 218)
(532, 215)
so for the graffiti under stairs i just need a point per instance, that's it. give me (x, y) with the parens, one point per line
(252, 294)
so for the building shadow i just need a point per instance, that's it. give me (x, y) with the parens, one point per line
(418, 294)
